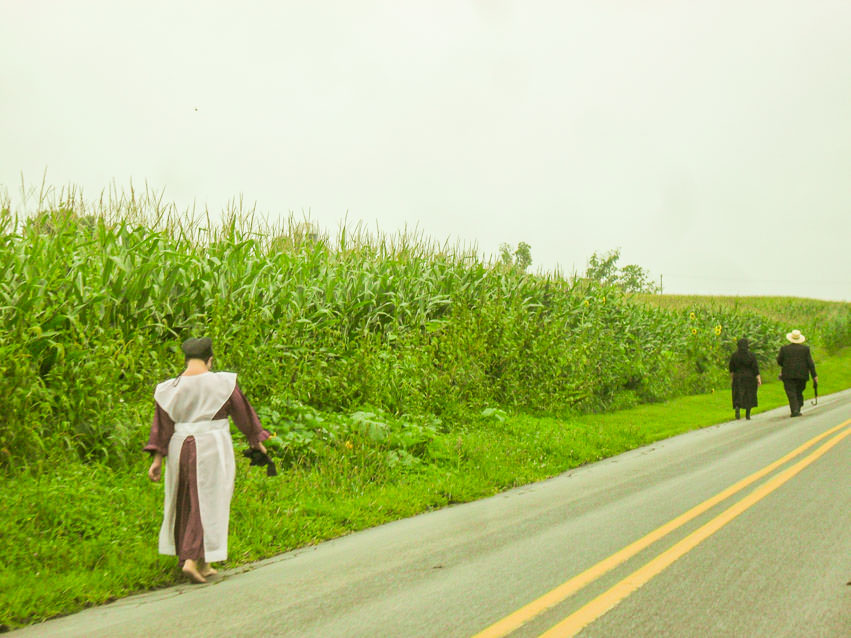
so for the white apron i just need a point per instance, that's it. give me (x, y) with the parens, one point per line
(191, 403)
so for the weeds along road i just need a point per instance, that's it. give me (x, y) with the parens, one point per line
(736, 530)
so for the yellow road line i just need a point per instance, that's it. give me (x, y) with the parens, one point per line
(526, 613)
(585, 615)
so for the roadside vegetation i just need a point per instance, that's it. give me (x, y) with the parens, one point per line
(397, 374)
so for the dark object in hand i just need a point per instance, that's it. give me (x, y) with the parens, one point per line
(259, 458)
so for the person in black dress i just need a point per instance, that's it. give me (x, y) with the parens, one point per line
(745, 378)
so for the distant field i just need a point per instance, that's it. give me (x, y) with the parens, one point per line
(828, 323)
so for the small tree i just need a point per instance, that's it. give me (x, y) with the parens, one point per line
(604, 269)
(635, 279)
(505, 255)
(631, 278)
(521, 258)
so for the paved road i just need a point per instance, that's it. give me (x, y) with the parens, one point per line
(775, 565)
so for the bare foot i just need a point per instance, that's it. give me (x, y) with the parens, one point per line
(191, 570)
(207, 570)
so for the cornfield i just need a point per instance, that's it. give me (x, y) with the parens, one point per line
(94, 305)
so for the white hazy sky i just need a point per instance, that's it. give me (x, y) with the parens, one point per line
(710, 141)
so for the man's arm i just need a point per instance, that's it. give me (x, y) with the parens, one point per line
(811, 365)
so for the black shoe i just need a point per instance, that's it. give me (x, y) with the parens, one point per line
(797, 414)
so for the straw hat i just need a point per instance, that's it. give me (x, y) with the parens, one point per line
(796, 337)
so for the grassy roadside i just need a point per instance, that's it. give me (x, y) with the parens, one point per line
(59, 559)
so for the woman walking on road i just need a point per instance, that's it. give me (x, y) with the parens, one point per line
(191, 430)
(745, 378)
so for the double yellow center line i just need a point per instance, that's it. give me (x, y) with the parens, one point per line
(574, 623)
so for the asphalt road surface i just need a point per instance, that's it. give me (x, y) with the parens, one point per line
(740, 529)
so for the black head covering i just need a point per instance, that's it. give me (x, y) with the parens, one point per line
(743, 344)
(198, 348)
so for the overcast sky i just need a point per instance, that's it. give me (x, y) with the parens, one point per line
(709, 141)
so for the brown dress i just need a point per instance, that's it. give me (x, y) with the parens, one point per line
(188, 529)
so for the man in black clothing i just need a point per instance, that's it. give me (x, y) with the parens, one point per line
(796, 366)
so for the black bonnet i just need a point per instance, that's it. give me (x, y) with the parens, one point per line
(198, 348)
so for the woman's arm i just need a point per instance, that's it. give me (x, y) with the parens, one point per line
(246, 420)
(155, 471)
(162, 429)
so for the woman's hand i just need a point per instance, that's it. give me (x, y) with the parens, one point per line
(155, 471)
(758, 380)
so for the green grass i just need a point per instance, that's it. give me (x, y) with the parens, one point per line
(80, 535)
